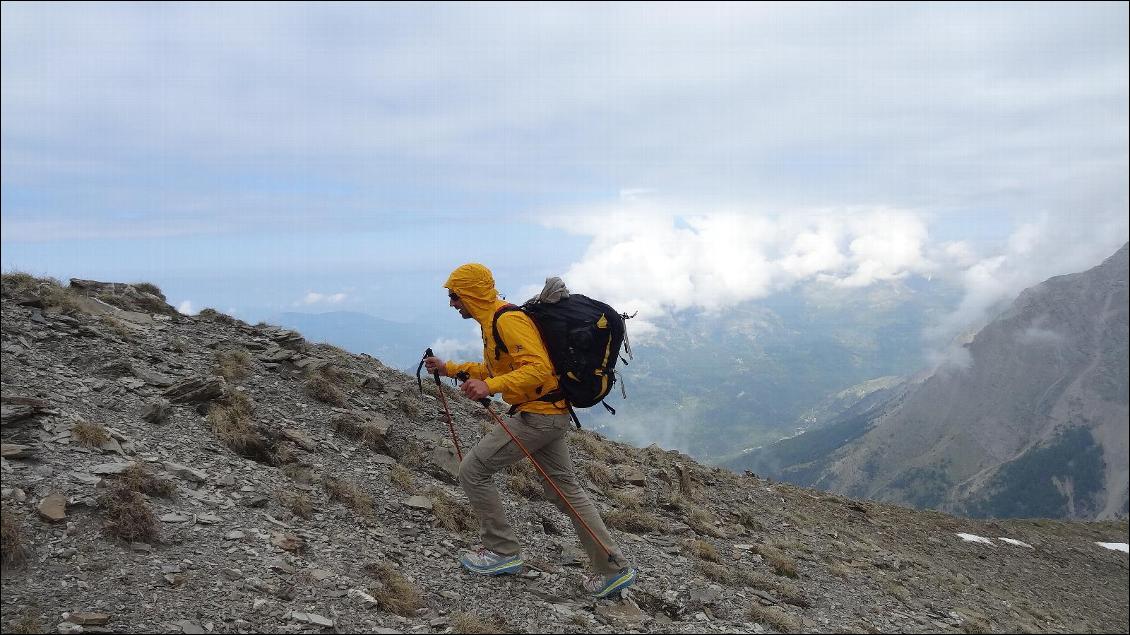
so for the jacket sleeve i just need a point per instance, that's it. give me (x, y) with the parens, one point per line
(474, 369)
(529, 358)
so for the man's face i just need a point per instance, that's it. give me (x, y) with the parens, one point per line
(457, 304)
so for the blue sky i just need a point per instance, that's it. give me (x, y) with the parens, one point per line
(265, 157)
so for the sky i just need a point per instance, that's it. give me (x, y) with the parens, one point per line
(258, 158)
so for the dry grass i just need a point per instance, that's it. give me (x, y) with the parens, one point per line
(702, 522)
(409, 404)
(402, 478)
(12, 548)
(54, 295)
(208, 313)
(632, 520)
(360, 430)
(156, 304)
(28, 623)
(703, 550)
(299, 504)
(782, 564)
(149, 287)
(749, 520)
(127, 515)
(324, 385)
(298, 473)
(92, 435)
(179, 345)
(450, 513)
(463, 622)
(396, 594)
(522, 479)
(840, 571)
(349, 495)
(591, 444)
(599, 474)
(896, 590)
(139, 478)
(774, 617)
(233, 364)
(118, 327)
(230, 419)
(717, 572)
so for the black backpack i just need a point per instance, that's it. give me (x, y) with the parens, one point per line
(583, 337)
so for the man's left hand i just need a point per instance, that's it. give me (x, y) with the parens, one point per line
(474, 389)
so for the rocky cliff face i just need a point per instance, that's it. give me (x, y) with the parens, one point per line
(1034, 425)
(164, 473)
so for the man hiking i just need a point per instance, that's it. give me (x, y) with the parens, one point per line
(521, 374)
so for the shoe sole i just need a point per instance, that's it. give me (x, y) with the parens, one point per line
(501, 569)
(619, 584)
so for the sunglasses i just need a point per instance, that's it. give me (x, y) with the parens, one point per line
(452, 295)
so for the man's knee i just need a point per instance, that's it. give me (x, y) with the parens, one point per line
(472, 471)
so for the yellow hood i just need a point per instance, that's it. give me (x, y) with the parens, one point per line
(474, 285)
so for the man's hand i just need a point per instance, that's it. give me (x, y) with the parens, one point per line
(474, 389)
(435, 365)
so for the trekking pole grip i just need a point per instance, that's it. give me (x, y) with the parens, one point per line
(435, 373)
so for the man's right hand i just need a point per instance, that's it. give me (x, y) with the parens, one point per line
(435, 365)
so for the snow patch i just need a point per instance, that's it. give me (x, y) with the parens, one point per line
(975, 538)
(1013, 541)
(1116, 546)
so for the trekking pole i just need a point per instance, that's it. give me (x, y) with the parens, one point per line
(439, 388)
(486, 404)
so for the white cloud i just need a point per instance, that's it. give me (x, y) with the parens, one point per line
(1047, 246)
(1040, 336)
(466, 349)
(323, 298)
(649, 257)
(185, 308)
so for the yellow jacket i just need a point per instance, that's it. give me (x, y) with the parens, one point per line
(523, 374)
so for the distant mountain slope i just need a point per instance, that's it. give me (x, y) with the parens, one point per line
(398, 344)
(712, 384)
(1035, 425)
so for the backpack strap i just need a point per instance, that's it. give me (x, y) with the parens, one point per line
(499, 345)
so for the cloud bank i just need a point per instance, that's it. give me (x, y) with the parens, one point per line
(648, 257)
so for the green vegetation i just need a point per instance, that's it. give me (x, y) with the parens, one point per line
(1026, 487)
(924, 487)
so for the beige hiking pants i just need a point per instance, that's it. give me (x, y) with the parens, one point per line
(544, 437)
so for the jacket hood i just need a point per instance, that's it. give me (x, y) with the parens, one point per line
(474, 284)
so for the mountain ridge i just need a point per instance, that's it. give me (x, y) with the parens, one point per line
(969, 438)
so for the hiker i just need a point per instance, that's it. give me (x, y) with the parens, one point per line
(520, 375)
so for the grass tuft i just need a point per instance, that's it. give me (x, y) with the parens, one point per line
(396, 594)
(127, 515)
(233, 364)
(12, 548)
(349, 495)
(324, 385)
(774, 617)
(450, 513)
(139, 478)
(92, 435)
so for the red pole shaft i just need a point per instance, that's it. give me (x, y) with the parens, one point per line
(450, 423)
(549, 480)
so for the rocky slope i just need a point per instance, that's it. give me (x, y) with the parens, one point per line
(164, 473)
(1034, 425)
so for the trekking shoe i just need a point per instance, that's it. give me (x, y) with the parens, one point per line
(486, 562)
(602, 586)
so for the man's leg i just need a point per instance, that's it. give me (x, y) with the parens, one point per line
(555, 460)
(492, 453)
